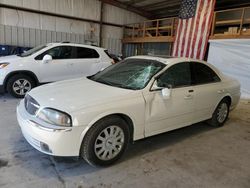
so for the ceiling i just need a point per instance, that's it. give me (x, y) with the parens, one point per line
(167, 8)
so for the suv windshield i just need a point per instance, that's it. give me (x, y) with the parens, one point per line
(32, 51)
(129, 74)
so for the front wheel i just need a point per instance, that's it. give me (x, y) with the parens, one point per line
(105, 142)
(19, 84)
(220, 114)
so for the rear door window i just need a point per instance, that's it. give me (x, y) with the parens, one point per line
(203, 74)
(85, 53)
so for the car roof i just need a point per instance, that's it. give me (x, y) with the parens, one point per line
(165, 59)
(74, 44)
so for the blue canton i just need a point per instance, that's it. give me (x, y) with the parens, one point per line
(188, 9)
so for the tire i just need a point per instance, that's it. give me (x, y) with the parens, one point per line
(108, 149)
(220, 114)
(19, 84)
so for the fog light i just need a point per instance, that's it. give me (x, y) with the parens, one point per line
(45, 147)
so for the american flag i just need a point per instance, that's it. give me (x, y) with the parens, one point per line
(194, 24)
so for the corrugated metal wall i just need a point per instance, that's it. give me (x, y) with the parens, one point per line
(30, 29)
(29, 37)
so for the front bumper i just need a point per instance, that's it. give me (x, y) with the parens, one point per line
(64, 142)
(2, 90)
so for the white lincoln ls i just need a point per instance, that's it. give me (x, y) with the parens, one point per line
(96, 117)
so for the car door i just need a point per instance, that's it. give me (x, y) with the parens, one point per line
(57, 69)
(207, 89)
(177, 111)
(86, 61)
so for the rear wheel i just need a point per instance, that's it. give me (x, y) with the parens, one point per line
(220, 114)
(19, 84)
(105, 142)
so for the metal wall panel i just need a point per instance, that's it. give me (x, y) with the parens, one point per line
(20, 37)
(7, 33)
(30, 29)
(32, 37)
(26, 37)
(14, 35)
(38, 37)
(29, 37)
(2, 37)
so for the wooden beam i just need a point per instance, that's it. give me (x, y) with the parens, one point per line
(136, 10)
(222, 36)
(148, 39)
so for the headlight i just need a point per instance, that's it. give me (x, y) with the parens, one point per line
(55, 117)
(2, 65)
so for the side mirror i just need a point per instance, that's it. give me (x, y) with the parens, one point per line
(166, 92)
(47, 58)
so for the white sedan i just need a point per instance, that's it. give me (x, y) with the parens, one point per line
(96, 117)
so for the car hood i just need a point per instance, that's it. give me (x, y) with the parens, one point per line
(75, 94)
(9, 59)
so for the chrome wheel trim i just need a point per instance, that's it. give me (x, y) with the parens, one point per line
(21, 86)
(109, 143)
(222, 113)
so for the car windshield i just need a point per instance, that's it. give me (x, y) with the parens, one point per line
(129, 74)
(32, 51)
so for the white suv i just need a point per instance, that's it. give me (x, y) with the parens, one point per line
(49, 63)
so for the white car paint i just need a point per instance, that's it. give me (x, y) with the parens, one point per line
(88, 101)
(57, 69)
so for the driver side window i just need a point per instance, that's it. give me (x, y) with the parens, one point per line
(178, 75)
(59, 52)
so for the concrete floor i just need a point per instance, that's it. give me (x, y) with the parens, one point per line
(195, 156)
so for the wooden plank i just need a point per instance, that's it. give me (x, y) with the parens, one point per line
(157, 28)
(244, 36)
(213, 26)
(148, 39)
(232, 9)
(241, 22)
(228, 22)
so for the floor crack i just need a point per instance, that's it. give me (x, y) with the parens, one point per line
(59, 177)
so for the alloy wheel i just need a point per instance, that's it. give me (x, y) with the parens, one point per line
(109, 143)
(21, 86)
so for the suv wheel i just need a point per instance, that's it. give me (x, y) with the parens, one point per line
(19, 84)
(105, 142)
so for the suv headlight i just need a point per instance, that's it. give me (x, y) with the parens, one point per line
(2, 65)
(55, 117)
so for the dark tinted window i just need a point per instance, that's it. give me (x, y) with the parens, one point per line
(86, 53)
(59, 52)
(204, 74)
(178, 75)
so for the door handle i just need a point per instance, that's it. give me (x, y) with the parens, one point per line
(221, 91)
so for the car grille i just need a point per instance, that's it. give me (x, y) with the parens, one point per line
(31, 105)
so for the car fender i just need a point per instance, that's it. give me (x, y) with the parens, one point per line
(99, 117)
(26, 72)
(222, 97)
